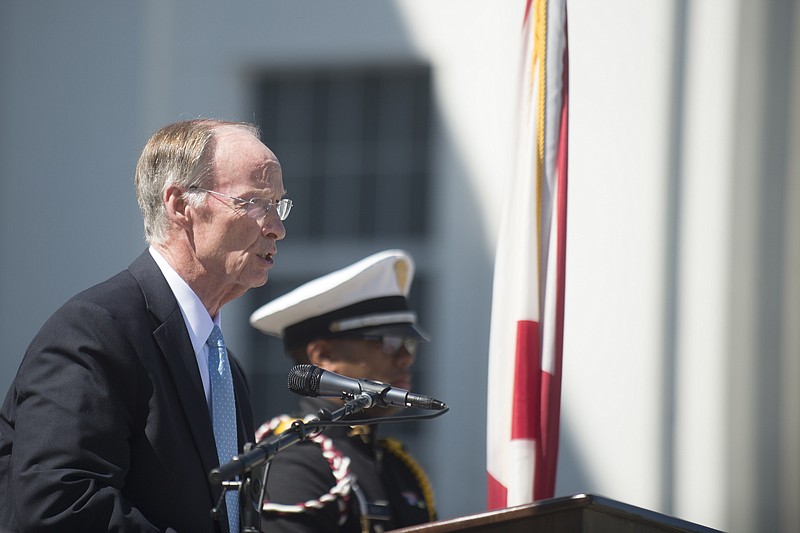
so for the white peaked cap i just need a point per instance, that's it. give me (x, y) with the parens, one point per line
(367, 298)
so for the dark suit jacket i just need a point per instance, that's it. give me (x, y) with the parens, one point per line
(106, 426)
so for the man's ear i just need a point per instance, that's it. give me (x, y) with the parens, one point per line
(320, 353)
(178, 210)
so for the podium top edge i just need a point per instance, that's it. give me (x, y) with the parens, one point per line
(590, 502)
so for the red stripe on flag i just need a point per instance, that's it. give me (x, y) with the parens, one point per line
(527, 11)
(527, 370)
(547, 451)
(496, 493)
(551, 385)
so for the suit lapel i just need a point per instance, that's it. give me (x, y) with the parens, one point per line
(176, 348)
(183, 366)
(244, 411)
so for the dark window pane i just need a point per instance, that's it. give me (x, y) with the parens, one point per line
(354, 147)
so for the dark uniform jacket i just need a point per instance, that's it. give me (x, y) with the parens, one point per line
(303, 494)
(106, 425)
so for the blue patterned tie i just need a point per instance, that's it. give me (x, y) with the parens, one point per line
(223, 414)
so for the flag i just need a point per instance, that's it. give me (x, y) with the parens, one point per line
(527, 324)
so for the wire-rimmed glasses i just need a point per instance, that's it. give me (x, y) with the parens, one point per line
(256, 208)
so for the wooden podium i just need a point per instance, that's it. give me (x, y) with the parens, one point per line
(582, 513)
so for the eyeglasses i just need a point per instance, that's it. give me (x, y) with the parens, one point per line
(391, 345)
(256, 208)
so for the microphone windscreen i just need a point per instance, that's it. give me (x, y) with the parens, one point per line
(304, 380)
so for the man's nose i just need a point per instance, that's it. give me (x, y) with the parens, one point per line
(272, 226)
(404, 358)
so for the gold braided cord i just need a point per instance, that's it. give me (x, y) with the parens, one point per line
(284, 425)
(539, 61)
(394, 447)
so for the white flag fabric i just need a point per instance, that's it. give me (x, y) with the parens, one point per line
(527, 324)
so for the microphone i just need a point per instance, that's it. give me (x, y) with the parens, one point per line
(310, 380)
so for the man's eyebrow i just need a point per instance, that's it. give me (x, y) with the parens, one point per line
(260, 193)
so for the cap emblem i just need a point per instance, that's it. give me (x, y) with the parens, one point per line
(401, 273)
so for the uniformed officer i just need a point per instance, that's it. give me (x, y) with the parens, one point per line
(355, 322)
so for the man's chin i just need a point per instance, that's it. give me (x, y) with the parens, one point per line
(259, 279)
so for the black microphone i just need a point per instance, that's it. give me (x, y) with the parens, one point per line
(310, 380)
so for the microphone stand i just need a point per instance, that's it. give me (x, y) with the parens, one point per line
(252, 466)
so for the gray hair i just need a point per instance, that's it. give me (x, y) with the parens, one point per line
(178, 154)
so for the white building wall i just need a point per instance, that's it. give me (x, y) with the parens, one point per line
(703, 318)
(669, 286)
(616, 255)
(790, 354)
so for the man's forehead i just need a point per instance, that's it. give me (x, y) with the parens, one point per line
(241, 159)
(230, 140)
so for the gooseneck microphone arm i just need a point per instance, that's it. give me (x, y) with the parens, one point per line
(253, 463)
(266, 450)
